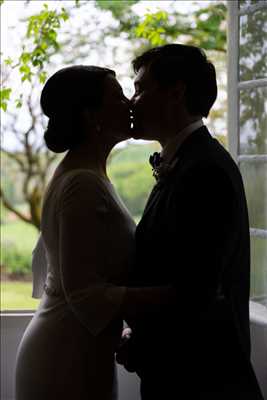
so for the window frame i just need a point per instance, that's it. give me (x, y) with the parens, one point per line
(234, 86)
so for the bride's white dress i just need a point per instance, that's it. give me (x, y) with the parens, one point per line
(67, 351)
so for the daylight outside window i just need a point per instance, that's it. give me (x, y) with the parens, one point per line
(111, 34)
(247, 123)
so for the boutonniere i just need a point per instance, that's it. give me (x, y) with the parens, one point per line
(159, 168)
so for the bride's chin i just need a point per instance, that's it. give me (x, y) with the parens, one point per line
(135, 133)
(125, 135)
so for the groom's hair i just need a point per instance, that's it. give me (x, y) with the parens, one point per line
(177, 62)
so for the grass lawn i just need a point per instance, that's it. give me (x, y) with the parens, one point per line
(17, 296)
(21, 233)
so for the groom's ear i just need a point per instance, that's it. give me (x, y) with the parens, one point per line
(177, 92)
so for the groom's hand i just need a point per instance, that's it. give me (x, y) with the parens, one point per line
(125, 353)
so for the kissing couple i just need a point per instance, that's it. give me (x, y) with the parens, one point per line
(180, 279)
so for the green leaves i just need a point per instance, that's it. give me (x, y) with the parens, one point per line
(8, 61)
(4, 97)
(42, 34)
(18, 101)
(117, 7)
(41, 42)
(42, 76)
(152, 28)
(42, 31)
(211, 27)
(205, 27)
(26, 73)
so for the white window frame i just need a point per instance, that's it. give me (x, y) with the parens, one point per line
(234, 86)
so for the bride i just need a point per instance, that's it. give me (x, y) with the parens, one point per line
(67, 351)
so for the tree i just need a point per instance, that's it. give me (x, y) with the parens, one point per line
(32, 163)
(48, 36)
(253, 65)
(205, 28)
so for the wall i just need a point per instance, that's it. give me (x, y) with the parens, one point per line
(14, 324)
(12, 328)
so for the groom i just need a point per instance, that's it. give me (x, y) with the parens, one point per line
(194, 235)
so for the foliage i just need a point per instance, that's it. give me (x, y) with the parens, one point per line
(211, 27)
(21, 233)
(254, 177)
(42, 30)
(152, 28)
(131, 175)
(205, 28)
(253, 65)
(133, 182)
(38, 46)
(32, 163)
(258, 267)
(4, 97)
(3, 214)
(118, 8)
(15, 261)
(10, 174)
(18, 241)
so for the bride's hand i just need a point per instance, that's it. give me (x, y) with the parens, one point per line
(125, 352)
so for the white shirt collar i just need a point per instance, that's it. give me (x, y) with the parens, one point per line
(174, 143)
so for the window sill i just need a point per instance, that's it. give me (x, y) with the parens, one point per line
(258, 312)
(17, 313)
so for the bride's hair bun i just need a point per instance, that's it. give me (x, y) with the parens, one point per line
(57, 139)
(64, 97)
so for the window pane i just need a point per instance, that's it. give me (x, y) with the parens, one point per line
(246, 3)
(253, 121)
(253, 46)
(17, 242)
(258, 285)
(255, 180)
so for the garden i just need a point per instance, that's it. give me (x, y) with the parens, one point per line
(108, 33)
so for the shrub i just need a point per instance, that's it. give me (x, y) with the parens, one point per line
(15, 261)
(133, 182)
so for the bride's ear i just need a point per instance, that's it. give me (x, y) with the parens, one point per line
(92, 119)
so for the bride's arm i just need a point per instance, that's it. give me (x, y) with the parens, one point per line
(83, 219)
(139, 301)
(83, 212)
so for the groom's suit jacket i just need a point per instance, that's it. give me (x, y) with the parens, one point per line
(194, 235)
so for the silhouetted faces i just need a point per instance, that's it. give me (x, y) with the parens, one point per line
(114, 112)
(171, 81)
(82, 102)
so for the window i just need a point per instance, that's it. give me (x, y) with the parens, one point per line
(247, 123)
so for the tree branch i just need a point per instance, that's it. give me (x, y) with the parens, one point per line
(9, 206)
(15, 157)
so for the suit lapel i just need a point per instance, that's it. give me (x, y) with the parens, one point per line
(154, 195)
(190, 143)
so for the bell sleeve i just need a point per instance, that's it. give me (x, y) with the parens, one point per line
(39, 268)
(84, 233)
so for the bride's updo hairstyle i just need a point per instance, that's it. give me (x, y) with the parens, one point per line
(65, 97)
